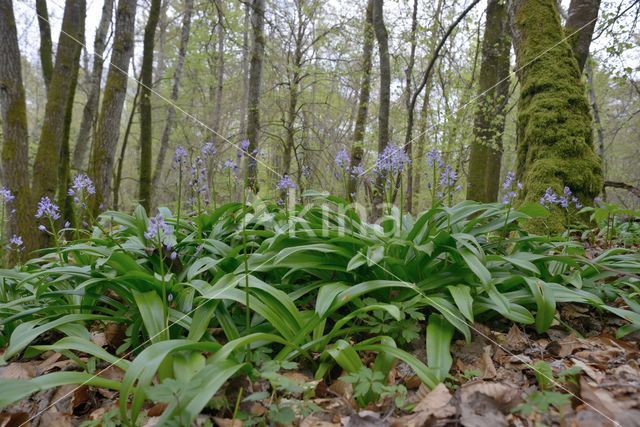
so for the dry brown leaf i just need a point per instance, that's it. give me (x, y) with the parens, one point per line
(115, 333)
(157, 409)
(592, 373)
(227, 422)
(18, 371)
(112, 372)
(481, 410)
(488, 368)
(342, 389)
(436, 403)
(598, 399)
(53, 418)
(565, 346)
(504, 394)
(365, 419)
(17, 419)
(516, 340)
(314, 421)
(99, 338)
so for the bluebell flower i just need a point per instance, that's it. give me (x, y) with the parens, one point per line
(549, 198)
(157, 228)
(209, 149)
(48, 209)
(342, 160)
(81, 187)
(511, 185)
(434, 157)
(393, 159)
(6, 196)
(285, 183)
(448, 177)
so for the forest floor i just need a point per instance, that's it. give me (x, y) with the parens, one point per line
(598, 382)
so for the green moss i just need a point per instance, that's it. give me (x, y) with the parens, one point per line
(554, 121)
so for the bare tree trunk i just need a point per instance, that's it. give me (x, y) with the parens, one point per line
(61, 89)
(217, 112)
(428, 71)
(357, 149)
(91, 107)
(15, 133)
(108, 127)
(554, 124)
(245, 69)
(581, 22)
(46, 45)
(177, 75)
(384, 97)
(123, 150)
(486, 148)
(407, 93)
(255, 82)
(146, 121)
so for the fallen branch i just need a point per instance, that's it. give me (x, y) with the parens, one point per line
(615, 184)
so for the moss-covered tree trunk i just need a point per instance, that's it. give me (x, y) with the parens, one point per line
(46, 45)
(146, 131)
(555, 140)
(382, 37)
(15, 133)
(357, 149)
(486, 148)
(93, 99)
(255, 83)
(61, 89)
(108, 126)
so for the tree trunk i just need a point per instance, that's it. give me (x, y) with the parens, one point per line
(93, 99)
(486, 148)
(177, 75)
(407, 94)
(255, 82)
(357, 149)
(581, 22)
(146, 125)
(15, 133)
(217, 111)
(554, 124)
(46, 45)
(108, 127)
(245, 68)
(123, 150)
(384, 97)
(597, 122)
(61, 89)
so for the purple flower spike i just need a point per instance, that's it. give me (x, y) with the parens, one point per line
(6, 196)
(448, 177)
(209, 149)
(47, 209)
(157, 228)
(392, 160)
(342, 160)
(434, 157)
(285, 183)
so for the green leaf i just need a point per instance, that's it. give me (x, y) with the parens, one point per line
(475, 265)
(462, 297)
(439, 335)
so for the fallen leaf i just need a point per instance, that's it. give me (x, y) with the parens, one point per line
(505, 395)
(53, 418)
(99, 339)
(436, 403)
(18, 371)
(592, 373)
(17, 419)
(598, 399)
(157, 410)
(313, 421)
(488, 368)
(479, 410)
(364, 419)
(227, 422)
(516, 340)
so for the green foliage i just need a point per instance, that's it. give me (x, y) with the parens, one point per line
(313, 287)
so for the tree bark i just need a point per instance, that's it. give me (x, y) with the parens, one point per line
(597, 122)
(554, 124)
(15, 133)
(123, 150)
(217, 111)
(46, 45)
(146, 121)
(108, 127)
(581, 22)
(407, 100)
(382, 38)
(486, 148)
(91, 107)
(255, 82)
(61, 90)
(175, 89)
(357, 149)
(245, 68)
